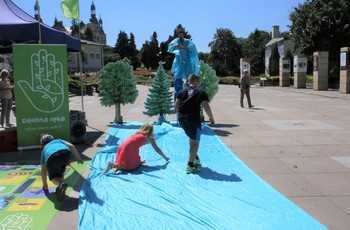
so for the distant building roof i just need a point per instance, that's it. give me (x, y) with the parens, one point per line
(274, 41)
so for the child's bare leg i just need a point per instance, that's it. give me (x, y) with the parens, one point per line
(109, 166)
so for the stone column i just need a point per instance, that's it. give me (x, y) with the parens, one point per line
(344, 84)
(320, 72)
(300, 67)
(284, 71)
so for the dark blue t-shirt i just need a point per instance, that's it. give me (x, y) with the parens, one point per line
(189, 107)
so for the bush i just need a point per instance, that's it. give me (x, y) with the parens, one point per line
(143, 79)
(229, 80)
(309, 79)
(75, 82)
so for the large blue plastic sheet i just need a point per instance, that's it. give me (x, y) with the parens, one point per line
(226, 194)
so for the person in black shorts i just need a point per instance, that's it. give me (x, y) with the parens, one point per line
(188, 106)
(55, 156)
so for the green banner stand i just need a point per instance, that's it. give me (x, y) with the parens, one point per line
(41, 93)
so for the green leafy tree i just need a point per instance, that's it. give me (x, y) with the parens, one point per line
(144, 55)
(320, 25)
(153, 51)
(208, 79)
(74, 28)
(117, 86)
(225, 53)
(274, 66)
(122, 44)
(132, 51)
(150, 52)
(253, 48)
(88, 35)
(203, 56)
(209, 82)
(290, 56)
(159, 100)
(109, 55)
(168, 58)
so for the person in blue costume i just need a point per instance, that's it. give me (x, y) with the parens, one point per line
(186, 60)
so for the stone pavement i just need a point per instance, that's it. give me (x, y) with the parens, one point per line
(297, 140)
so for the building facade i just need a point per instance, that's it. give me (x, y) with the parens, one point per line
(283, 46)
(92, 59)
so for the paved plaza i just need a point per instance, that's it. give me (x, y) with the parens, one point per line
(297, 140)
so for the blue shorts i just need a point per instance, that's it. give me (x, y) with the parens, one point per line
(191, 130)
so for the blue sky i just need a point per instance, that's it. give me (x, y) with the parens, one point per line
(201, 18)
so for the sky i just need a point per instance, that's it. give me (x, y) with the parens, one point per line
(200, 18)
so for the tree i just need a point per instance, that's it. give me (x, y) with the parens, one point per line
(132, 51)
(117, 86)
(208, 79)
(150, 53)
(253, 48)
(88, 35)
(121, 46)
(274, 62)
(144, 54)
(74, 28)
(209, 82)
(109, 55)
(153, 51)
(320, 25)
(168, 58)
(225, 52)
(203, 56)
(290, 56)
(159, 100)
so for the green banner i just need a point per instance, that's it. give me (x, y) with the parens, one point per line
(41, 92)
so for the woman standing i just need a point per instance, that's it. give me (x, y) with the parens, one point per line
(6, 98)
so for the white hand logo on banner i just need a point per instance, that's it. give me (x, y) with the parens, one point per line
(45, 91)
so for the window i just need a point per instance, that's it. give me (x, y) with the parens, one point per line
(92, 55)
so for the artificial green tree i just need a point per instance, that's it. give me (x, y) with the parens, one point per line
(209, 81)
(159, 100)
(117, 86)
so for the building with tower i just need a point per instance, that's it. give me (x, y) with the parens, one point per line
(96, 26)
(93, 40)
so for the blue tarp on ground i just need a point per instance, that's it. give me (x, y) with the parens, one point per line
(226, 194)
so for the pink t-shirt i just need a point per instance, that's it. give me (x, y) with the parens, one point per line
(128, 157)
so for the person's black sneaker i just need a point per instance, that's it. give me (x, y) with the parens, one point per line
(251, 106)
(61, 191)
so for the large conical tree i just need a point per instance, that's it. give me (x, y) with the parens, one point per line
(159, 100)
(117, 86)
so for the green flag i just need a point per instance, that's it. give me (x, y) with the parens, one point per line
(70, 9)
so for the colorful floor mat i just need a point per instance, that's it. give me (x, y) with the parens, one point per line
(23, 203)
(226, 194)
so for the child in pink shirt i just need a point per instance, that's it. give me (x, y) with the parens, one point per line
(128, 154)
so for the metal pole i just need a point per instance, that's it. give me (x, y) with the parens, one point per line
(37, 2)
(81, 72)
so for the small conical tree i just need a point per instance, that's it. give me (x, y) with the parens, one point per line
(209, 81)
(117, 86)
(159, 100)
